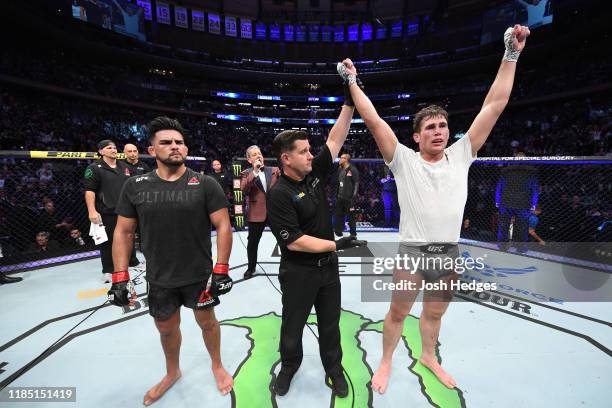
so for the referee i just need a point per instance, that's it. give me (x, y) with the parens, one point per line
(299, 217)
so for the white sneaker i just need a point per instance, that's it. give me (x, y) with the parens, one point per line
(107, 277)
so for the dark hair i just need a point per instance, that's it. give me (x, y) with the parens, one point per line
(164, 123)
(285, 141)
(430, 111)
(103, 143)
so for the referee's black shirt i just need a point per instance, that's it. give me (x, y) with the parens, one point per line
(296, 208)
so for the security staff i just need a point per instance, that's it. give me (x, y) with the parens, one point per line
(103, 180)
(221, 176)
(137, 167)
(299, 218)
(348, 185)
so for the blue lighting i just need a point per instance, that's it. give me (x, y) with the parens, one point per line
(366, 31)
(260, 31)
(268, 120)
(227, 117)
(269, 97)
(300, 33)
(275, 32)
(289, 32)
(330, 99)
(396, 29)
(353, 32)
(232, 95)
(339, 33)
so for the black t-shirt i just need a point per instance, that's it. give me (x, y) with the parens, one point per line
(296, 208)
(223, 179)
(174, 223)
(106, 182)
(139, 168)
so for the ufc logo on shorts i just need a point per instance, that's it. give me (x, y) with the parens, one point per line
(435, 248)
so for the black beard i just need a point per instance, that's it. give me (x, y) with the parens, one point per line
(173, 163)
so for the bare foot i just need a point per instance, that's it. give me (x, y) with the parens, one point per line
(225, 382)
(439, 372)
(380, 379)
(160, 388)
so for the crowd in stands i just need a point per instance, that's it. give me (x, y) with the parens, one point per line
(41, 202)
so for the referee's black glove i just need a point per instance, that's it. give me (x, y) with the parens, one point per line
(349, 242)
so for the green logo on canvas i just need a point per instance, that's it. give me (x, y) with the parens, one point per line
(255, 375)
(88, 173)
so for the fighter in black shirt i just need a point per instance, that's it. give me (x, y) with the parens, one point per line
(175, 208)
(300, 220)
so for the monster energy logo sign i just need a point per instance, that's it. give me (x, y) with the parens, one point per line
(237, 196)
(237, 169)
(239, 221)
(255, 372)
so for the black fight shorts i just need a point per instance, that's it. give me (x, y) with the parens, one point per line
(164, 302)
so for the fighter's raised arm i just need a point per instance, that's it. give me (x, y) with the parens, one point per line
(499, 94)
(383, 134)
(337, 134)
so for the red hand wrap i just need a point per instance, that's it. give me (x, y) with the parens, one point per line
(221, 268)
(121, 276)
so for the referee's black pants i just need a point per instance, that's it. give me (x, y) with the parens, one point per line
(106, 248)
(305, 286)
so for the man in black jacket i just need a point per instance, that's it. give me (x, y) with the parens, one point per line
(348, 185)
(516, 195)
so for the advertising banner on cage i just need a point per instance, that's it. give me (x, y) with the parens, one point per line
(214, 23)
(180, 17)
(145, 5)
(197, 20)
(230, 26)
(246, 28)
(163, 13)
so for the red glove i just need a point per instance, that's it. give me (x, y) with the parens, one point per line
(121, 289)
(221, 282)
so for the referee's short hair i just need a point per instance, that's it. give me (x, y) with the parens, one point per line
(285, 141)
